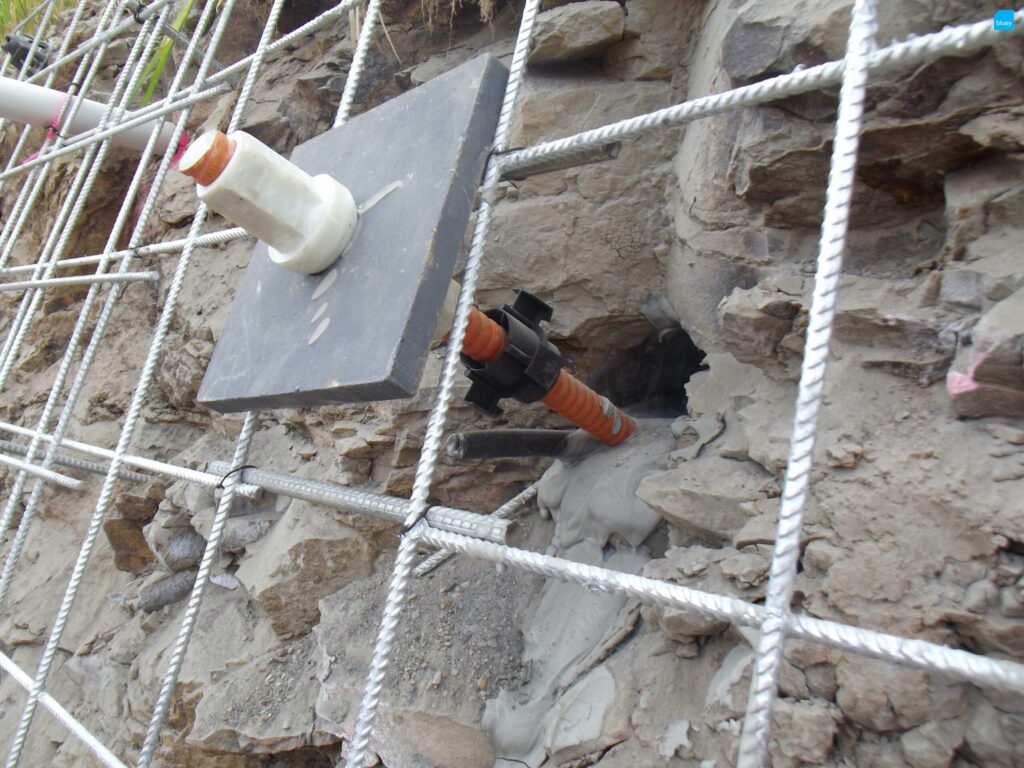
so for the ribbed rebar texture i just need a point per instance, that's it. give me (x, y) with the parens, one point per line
(41, 472)
(70, 461)
(952, 41)
(169, 105)
(157, 249)
(188, 622)
(130, 75)
(231, 479)
(1005, 675)
(141, 391)
(839, 198)
(435, 428)
(145, 43)
(161, 468)
(355, 72)
(507, 509)
(57, 282)
(69, 35)
(73, 726)
(62, 57)
(367, 503)
(450, 530)
(30, 190)
(71, 209)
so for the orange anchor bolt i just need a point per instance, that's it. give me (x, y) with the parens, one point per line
(507, 355)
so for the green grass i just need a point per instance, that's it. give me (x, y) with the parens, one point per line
(156, 65)
(12, 12)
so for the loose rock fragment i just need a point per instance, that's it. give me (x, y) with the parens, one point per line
(576, 31)
(307, 555)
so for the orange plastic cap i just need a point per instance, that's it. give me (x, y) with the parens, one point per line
(206, 157)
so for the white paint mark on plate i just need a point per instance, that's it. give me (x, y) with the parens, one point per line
(319, 313)
(319, 330)
(374, 199)
(326, 283)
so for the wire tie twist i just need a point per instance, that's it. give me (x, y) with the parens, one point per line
(407, 526)
(140, 8)
(230, 472)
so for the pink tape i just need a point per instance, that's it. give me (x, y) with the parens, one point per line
(182, 146)
(51, 132)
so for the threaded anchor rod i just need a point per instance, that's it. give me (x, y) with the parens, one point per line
(569, 397)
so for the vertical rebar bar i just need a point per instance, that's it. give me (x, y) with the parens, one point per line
(106, 494)
(355, 72)
(210, 554)
(435, 428)
(839, 196)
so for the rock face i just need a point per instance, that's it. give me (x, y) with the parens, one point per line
(576, 31)
(697, 243)
(706, 507)
(308, 554)
(994, 382)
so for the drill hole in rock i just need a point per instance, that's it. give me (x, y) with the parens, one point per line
(649, 379)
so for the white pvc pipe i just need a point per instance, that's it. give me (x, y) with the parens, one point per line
(32, 104)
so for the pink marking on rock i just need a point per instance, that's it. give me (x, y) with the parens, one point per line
(958, 383)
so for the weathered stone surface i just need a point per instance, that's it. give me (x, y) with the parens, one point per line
(914, 520)
(263, 707)
(719, 571)
(166, 590)
(139, 502)
(182, 549)
(974, 399)
(764, 327)
(707, 498)
(997, 130)
(131, 552)
(805, 732)
(993, 384)
(181, 371)
(769, 38)
(307, 555)
(992, 736)
(979, 198)
(658, 40)
(883, 697)
(997, 354)
(932, 745)
(877, 313)
(576, 31)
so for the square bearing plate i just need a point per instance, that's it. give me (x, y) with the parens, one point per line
(360, 330)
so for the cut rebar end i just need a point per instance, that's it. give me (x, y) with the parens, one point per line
(207, 157)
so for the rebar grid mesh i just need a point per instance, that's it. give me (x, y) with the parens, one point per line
(775, 619)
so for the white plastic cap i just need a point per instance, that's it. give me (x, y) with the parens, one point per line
(306, 220)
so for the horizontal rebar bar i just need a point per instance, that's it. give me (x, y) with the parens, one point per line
(96, 40)
(57, 282)
(164, 469)
(51, 705)
(115, 127)
(157, 108)
(310, 26)
(222, 86)
(952, 41)
(998, 673)
(484, 527)
(506, 510)
(170, 246)
(75, 463)
(42, 473)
